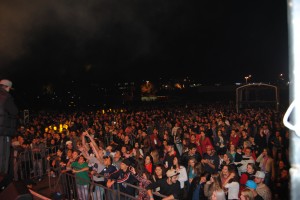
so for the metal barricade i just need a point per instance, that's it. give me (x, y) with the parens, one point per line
(30, 165)
(67, 188)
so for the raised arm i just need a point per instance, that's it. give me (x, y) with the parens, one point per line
(94, 144)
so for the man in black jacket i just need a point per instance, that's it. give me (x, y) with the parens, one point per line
(8, 116)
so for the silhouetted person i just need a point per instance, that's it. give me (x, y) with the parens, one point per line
(8, 119)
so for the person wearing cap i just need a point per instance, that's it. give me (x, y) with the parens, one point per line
(262, 189)
(169, 187)
(252, 186)
(8, 123)
(69, 146)
(123, 177)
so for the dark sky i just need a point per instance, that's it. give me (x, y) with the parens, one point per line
(46, 41)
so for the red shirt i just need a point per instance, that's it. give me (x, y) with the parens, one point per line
(204, 143)
(149, 167)
(234, 140)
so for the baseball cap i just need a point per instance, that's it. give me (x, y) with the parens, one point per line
(251, 184)
(172, 172)
(7, 83)
(260, 174)
(68, 142)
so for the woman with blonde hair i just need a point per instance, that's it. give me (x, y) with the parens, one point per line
(214, 186)
(191, 169)
(247, 194)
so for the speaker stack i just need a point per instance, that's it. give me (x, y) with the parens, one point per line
(16, 190)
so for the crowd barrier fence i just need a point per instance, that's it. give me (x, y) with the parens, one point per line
(36, 165)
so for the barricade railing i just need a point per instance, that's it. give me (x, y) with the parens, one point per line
(67, 188)
(29, 165)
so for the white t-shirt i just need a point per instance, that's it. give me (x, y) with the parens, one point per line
(182, 177)
(233, 190)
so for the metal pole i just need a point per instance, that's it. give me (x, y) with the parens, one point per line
(292, 121)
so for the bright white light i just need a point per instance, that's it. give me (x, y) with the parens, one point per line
(294, 31)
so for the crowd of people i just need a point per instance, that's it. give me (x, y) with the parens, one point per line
(181, 152)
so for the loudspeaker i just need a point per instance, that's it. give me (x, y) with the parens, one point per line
(16, 190)
(5, 179)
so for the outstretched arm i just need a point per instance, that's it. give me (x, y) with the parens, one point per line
(92, 141)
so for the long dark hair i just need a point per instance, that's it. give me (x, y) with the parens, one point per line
(151, 158)
(140, 166)
(236, 177)
(154, 176)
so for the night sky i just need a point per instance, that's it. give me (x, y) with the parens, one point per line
(55, 41)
